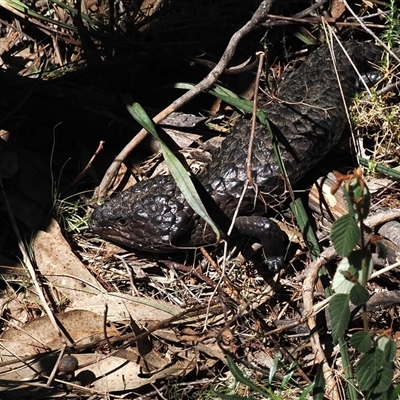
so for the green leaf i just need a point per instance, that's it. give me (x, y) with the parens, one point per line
(319, 388)
(358, 260)
(360, 196)
(359, 295)
(362, 341)
(238, 375)
(229, 97)
(345, 234)
(176, 168)
(306, 391)
(274, 368)
(305, 226)
(368, 369)
(305, 39)
(385, 378)
(394, 393)
(339, 312)
(388, 346)
(245, 106)
(340, 282)
(380, 168)
(288, 376)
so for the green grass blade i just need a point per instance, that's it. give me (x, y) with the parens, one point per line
(74, 11)
(20, 6)
(304, 224)
(238, 375)
(380, 168)
(176, 168)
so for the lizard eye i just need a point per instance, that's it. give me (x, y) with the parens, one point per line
(123, 222)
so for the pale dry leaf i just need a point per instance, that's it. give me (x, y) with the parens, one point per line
(38, 336)
(262, 358)
(337, 8)
(19, 372)
(115, 374)
(7, 42)
(182, 139)
(212, 349)
(103, 373)
(60, 266)
(15, 304)
(123, 307)
(150, 361)
(123, 175)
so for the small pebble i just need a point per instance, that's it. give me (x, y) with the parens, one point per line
(68, 364)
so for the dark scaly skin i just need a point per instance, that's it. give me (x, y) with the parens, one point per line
(309, 112)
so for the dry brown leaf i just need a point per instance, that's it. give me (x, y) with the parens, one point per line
(212, 349)
(122, 307)
(7, 42)
(38, 336)
(150, 361)
(62, 268)
(337, 8)
(115, 374)
(102, 373)
(124, 175)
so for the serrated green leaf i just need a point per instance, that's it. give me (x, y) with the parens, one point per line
(385, 378)
(388, 346)
(368, 369)
(349, 203)
(359, 259)
(340, 282)
(356, 260)
(360, 197)
(345, 234)
(359, 295)
(176, 168)
(361, 341)
(339, 312)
